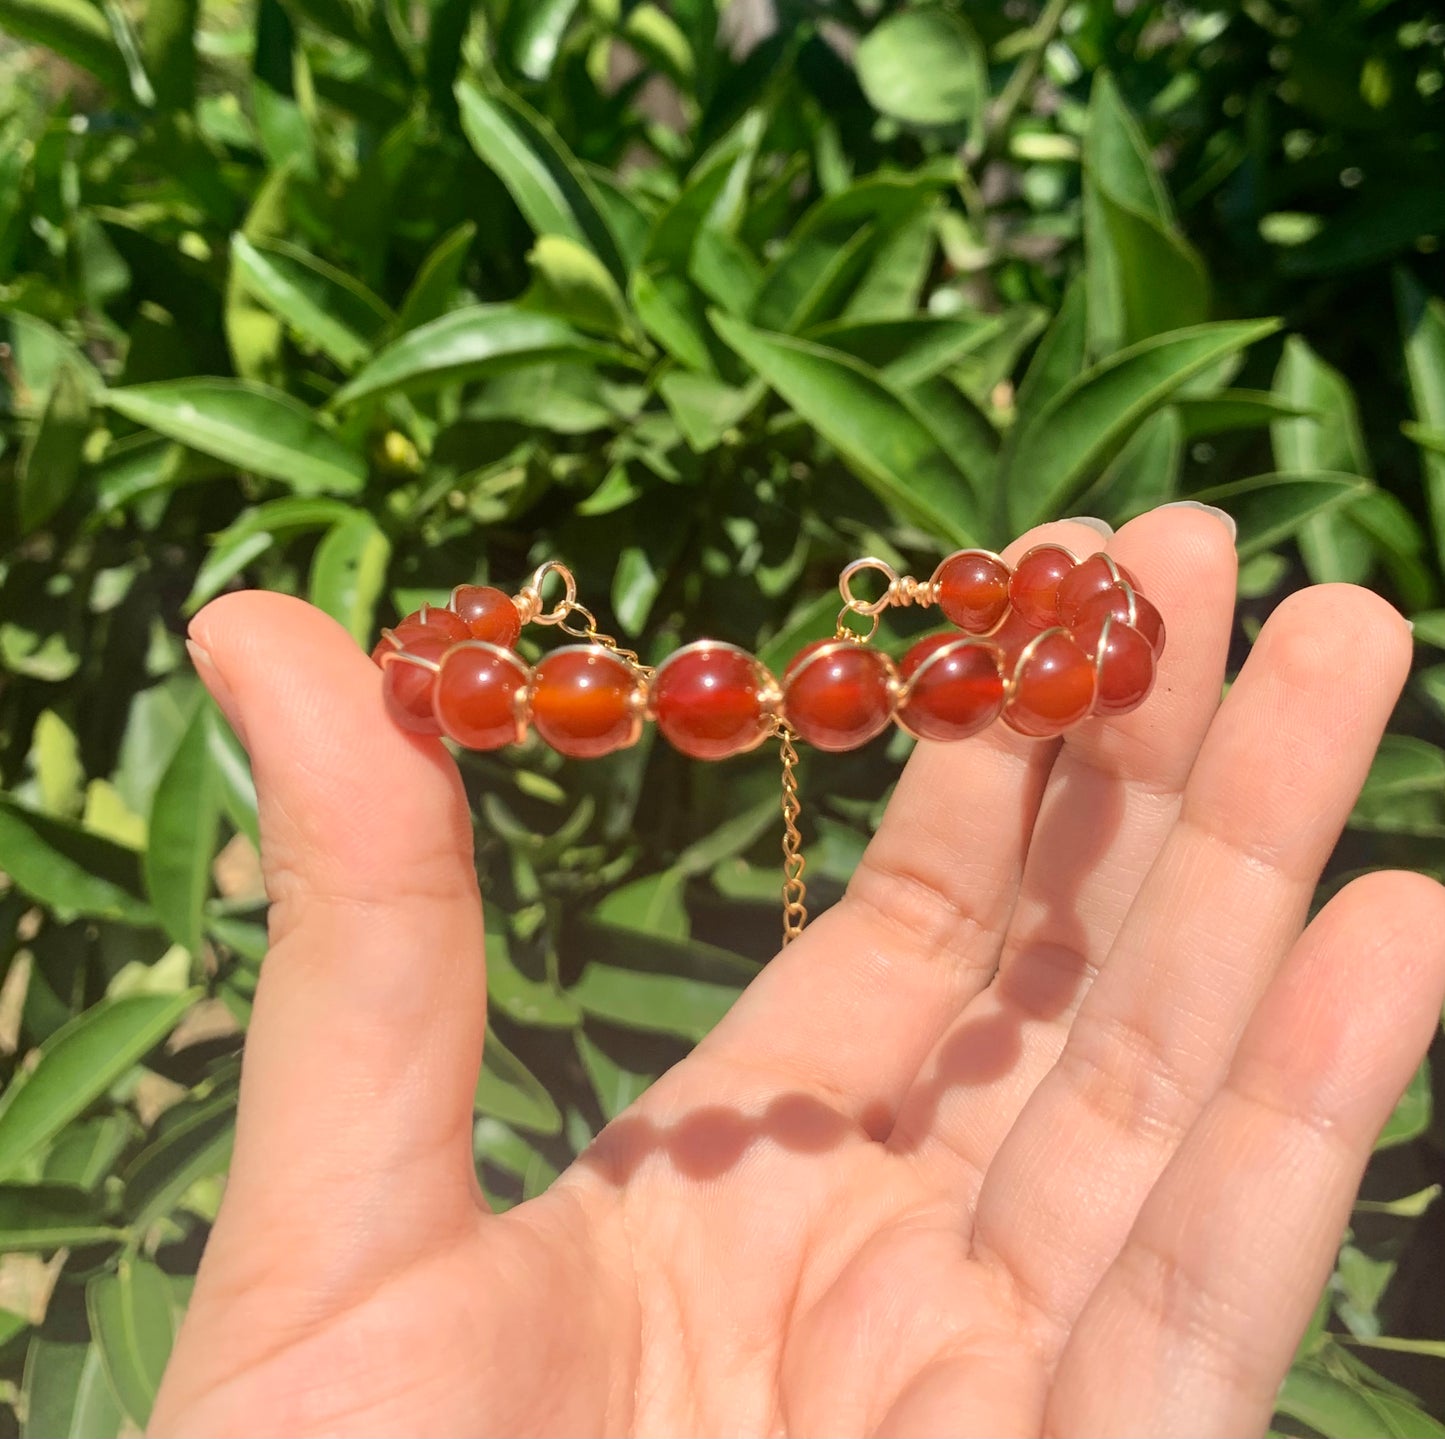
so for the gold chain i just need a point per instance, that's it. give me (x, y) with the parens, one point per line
(570, 616)
(795, 891)
(588, 630)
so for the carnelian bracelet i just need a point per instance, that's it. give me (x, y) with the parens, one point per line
(1043, 646)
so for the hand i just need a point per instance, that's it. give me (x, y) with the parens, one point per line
(1051, 1125)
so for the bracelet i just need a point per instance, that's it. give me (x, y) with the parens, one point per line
(1040, 647)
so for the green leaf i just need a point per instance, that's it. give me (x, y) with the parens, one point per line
(50, 1216)
(69, 870)
(168, 37)
(892, 286)
(1430, 628)
(66, 1393)
(134, 1324)
(1231, 410)
(533, 34)
(532, 1002)
(348, 573)
(51, 460)
(1269, 509)
(1325, 436)
(712, 197)
(233, 772)
(184, 823)
(1145, 474)
(658, 985)
(470, 343)
(878, 431)
(966, 432)
(1412, 1206)
(1404, 792)
(509, 1091)
(1086, 423)
(1060, 357)
(77, 1064)
(86, 1152)
(907, 351)
(1411, 1116)
(925, 67)
(1340, 1409)
(73, 29)
(321, 305)
(437, 281)
(249, 426)
(1422, 322)
(1144, 278)
(192, 1141)
(615, 1084)
(671, 312)
(550, 187)
(569, 281)
(253, 533)
(704, 407)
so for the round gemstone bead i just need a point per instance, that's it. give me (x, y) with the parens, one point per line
(972, 590)
(488, 613)
(1053, 687)
(838, 694)
(427, 621)
(1034, 587)
(478, 695)
(1090, 577)
(1011, 637)
(1126, 605)
(586, 701)
(1123, 668)
(408, 674)
(952, 688)
(708, 700)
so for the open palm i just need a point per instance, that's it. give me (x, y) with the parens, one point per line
(1051, 1125)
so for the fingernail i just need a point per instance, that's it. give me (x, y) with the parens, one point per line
(220, 691)
(1102, 527)
(1223, 516)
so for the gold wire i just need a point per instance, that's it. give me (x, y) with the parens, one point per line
(795, 890)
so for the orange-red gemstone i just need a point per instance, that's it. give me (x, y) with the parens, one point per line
(1090, 577)
(1034, 588)
(708, 700)
(475, 698)
(428, 620)
(838, 694)
(1053, 687)
(585, 701)
(972, 590)
(1011, 637)
(407, 686)
(953, 687)
(488, 614)
(1115, 602)
(1124, 666)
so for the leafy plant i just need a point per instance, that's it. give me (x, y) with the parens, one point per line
(359, 305)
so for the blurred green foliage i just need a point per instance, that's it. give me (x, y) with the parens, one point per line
(362, 300)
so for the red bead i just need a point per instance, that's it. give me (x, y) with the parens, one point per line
(586, 701)
(1088, 578)
(972, 590)
(953, 688)
(1127, 606)
(488, 614)
(407, 686)
(1124, 669)
(478, 695)
(1034, 588)
(1053, 687)
(708, 700)
(838, 694)
(430, 617)
(1011, 637)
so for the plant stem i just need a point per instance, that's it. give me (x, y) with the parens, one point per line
(1022, 80)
